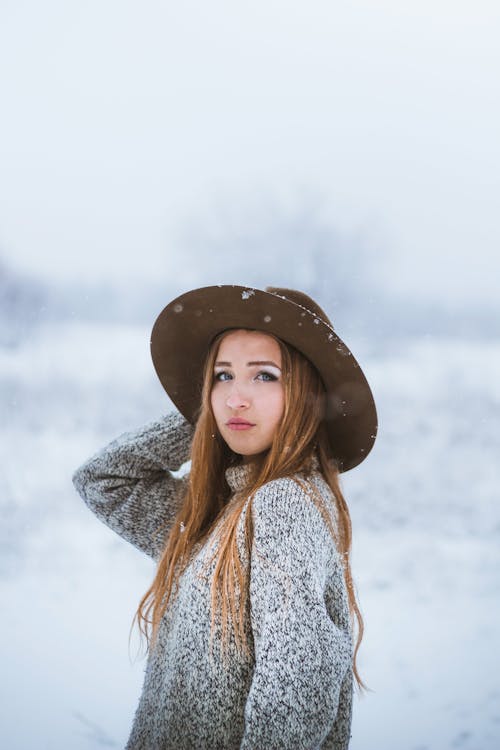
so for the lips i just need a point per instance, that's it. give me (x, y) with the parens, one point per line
(236, 423)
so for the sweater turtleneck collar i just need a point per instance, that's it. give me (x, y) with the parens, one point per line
(238, 476)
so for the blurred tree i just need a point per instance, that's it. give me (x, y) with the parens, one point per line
(23, 302)
(272, 248)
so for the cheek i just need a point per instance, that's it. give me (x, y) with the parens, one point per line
(277, 407)
(218, 403)
(213, 403)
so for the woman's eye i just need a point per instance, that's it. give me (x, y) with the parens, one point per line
(221, 376)
(266, 376)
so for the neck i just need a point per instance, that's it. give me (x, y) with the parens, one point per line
(254, 459)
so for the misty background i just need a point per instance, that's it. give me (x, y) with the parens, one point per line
(349, 150)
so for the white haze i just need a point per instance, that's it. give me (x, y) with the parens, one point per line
(125, 124)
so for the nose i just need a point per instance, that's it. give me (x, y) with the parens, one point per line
(236, 399)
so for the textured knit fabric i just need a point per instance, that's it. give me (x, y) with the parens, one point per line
(294, 691)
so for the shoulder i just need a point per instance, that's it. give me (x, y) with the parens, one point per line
(290, 486)
(294, 492)
(293, 508)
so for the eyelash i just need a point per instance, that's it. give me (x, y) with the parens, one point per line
(269, 379)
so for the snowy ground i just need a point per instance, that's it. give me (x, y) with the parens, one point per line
(426, 555)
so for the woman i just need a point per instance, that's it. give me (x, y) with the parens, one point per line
(250, 616)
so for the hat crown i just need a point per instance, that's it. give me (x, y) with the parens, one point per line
(301, 299)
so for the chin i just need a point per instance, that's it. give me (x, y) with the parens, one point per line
(245, 452)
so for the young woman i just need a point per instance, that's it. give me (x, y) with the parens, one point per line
(250, 616)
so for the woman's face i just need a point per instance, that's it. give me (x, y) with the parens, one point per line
(247, 394)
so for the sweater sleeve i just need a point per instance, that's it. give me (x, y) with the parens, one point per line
(302, 657)
(128, 484)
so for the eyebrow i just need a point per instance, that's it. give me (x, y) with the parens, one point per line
(250, 364)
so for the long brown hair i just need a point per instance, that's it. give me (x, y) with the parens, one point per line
(300, 435)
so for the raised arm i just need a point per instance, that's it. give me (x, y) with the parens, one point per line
(299, 615)
(128, 484)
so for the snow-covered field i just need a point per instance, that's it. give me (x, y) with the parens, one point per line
(426, 555)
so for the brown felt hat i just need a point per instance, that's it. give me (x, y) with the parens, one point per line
(185, 328)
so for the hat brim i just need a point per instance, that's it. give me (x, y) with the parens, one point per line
(185, 328)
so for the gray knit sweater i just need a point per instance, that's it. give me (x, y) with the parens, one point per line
(295, 691)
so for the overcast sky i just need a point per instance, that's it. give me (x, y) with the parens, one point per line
(125, 124)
